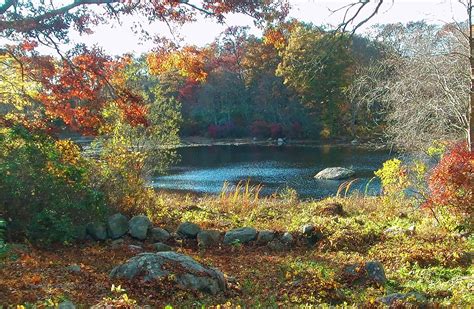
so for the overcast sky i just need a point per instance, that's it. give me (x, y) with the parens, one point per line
(120, 39)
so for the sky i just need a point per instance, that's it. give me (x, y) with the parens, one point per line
(120, 39)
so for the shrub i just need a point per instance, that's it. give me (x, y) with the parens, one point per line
(44, 189)
(129, 155)
(260, 128)
(296, 130)
(451, 182)
(325, 133)
(228, 129)
(394, 177)
(276, 130)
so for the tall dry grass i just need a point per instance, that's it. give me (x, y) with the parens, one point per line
(240, 197)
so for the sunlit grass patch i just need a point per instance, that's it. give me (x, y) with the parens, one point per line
(448, 286)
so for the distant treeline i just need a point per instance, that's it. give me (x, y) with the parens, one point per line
(291, 82)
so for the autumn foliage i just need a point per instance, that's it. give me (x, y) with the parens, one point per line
(78, 89)
(189, 62)
(452, 181)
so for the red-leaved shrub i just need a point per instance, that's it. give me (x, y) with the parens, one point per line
(452, 181)
(276, 130)
(296, 130)
(260, 128)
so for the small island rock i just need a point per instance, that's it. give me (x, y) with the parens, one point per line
(335, 173)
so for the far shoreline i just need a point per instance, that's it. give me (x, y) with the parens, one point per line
(200, 141)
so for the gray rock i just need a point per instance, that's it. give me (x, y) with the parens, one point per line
(393, 231)
(135, 248)
(375, 272)
(351, 271)
(159, 234)
(117, 226)
(208, 238)
(370, 273)
(287, 238)
(241, 235)
(80, 232)
(74, 268)
(160, 247)
(311, 235)
(307, 229)
(117, 243)
(396, 231)
(277, 245)
(138, 227)
(335, 173)
(264, 237)
(412, 297)
(188, 230)
(66, 305)
(97, 231)
(189, 274)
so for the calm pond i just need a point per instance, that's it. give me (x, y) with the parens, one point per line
(205, 169)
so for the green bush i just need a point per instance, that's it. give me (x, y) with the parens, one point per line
(44, 189)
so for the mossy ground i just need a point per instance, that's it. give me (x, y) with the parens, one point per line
(432, 260)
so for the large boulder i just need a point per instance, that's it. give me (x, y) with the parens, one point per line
(189, 274)
(117, 226)
(138, 227)
(241, 235)
(188, 230)
(97, 230)
(158, 234)
(334, 173)
(208, 238)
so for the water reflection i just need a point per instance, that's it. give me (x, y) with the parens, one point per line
(205, 169)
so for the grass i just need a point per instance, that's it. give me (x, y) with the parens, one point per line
(433, 260)
(242, 196)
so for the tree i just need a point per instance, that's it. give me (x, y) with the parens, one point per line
(421, 83)
(77, 88)
(315, 64)
(355, 10)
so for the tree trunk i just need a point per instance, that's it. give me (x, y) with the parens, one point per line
(470, 129)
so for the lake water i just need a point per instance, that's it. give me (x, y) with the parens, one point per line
(205, 169)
